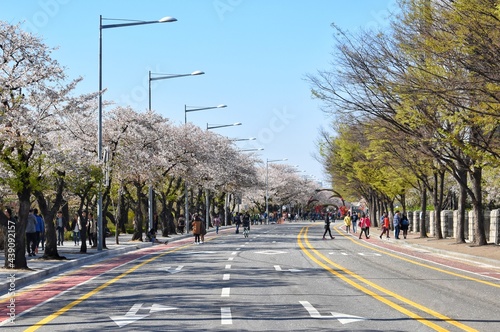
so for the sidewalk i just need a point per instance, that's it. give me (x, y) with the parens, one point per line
(41, 268)
(489, 254)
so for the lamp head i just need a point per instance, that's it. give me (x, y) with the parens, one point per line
(167, 19)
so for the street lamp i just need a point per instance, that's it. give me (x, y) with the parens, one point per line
(222, 126)
(267, 185)
(157, 78)
(99, 129)
(242, 139)
(247, 150)
(167, 76)
(188, 109)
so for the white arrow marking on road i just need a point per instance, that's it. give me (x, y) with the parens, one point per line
(342, 318)
(130, 317)
(345, 319)
(177, 270)
(158, 307)
(312, 310)
(278, 268)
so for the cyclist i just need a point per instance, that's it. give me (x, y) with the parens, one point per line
(246, 224)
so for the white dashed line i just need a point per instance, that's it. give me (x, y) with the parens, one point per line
(228, 266)
(225, 292)
(226, 276)
(225, 316)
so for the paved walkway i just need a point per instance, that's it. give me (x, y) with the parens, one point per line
(39, 268)
(489, 254)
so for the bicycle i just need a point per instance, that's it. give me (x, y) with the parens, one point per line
(246, 231)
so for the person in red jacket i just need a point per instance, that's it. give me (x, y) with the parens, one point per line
(385, 226)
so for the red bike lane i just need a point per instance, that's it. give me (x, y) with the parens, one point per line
(25, 300)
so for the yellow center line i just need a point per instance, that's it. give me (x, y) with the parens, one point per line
(98, 289)
(303, 233)
(415, 262)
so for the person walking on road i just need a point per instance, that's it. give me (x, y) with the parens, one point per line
(347, 222)
(354, 222)
(364, 225)
(385, 226)
(196, 224)
(327, 227)
(217, 224)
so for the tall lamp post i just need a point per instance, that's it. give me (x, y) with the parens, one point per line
(157, 77)
(188, 109)
(99, 129)
(222, 126)
(267, 185)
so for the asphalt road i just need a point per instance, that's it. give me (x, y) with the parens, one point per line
(283, 277)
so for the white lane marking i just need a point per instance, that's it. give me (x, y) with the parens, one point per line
(345, 318)
(277, 268)
(225, 292)
(342, 318)
(313, 312)
(226, 276)
(225, 316)
(234, 253)
(228, 266)
(230, 258)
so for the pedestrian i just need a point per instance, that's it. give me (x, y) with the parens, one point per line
(40, 230)
(181, 223)
(347, 222)
(92, 231)
(354, 222)
(327, 227)
(237, 222)
(396, 221)
(385, 226)
(246, 221)
(196, 224)
(217, 224)
(364, 225)
(405, 223)
(31, 234)
(60, 225)
(75, 227)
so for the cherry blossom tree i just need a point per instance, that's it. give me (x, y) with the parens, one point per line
(34, 93)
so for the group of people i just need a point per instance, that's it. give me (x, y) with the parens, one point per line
(400, 223)
(35, 232)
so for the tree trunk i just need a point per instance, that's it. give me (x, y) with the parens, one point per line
(423, 209)
(436, 193)
(138, 221)
(19, 261)
(462, 201)
(477, 203)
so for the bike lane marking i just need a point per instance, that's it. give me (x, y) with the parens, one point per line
(327, 264)
(34, 297)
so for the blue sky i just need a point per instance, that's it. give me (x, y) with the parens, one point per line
(255, 54)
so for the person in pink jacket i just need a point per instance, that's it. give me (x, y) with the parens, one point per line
(364, 224)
